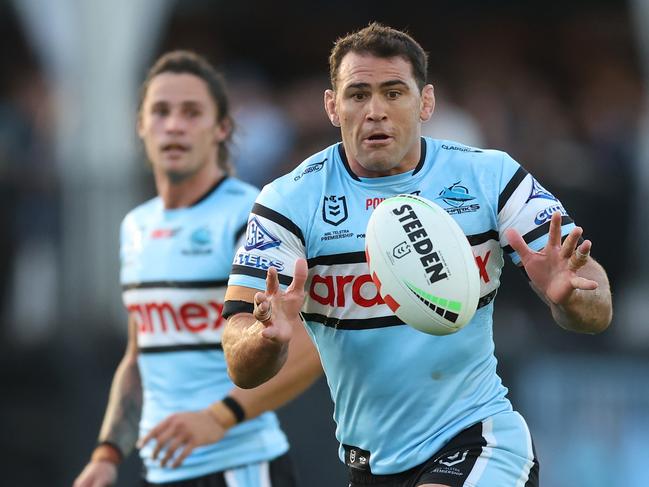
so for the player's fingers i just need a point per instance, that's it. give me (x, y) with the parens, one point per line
(580, 256)
(272, 281)
(300, 274)
(171, 450)
(161, 440)
(189, 447)
(270, 332)
(518, 244)
(584, 284)
(262, 311)
(152, 434)
(570, 242)
(554, 234)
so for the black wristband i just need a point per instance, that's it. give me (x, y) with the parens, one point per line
(233, 405)
(232, 307)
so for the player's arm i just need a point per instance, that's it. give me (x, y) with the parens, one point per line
(256, 344)
(180, 433)
(571, 283)
(120, 426)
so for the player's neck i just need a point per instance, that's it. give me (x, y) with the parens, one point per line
(185, 192)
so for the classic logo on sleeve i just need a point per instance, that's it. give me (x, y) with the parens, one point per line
(315, 167)
(258, 237)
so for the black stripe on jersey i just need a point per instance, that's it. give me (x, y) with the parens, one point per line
(347, 258)
(174, 284)
(238, 234)
(538, 232)
(370, 323)
(511, 186)
(197, 347)
(422, 158)
(209, 191)
(280, 219)
(343, 157)
(353, 324)
(533, 477)
(480, 238)
(260, 273)
(486, 299)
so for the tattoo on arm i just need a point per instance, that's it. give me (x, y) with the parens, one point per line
(122, 418)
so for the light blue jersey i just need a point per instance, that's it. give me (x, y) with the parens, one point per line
(175, 265)
(399, 394)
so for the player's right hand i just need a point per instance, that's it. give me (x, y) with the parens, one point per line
(100, 473)
(277, 310)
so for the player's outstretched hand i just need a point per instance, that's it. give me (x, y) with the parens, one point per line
(275, 309)
(99, 473)
(553, 270)
(177, 435)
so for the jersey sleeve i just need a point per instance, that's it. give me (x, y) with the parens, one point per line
(526, 206)
(272, 238)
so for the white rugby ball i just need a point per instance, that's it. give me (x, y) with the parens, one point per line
(422, 264)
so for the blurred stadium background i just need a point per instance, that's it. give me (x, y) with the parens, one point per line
(561, 86)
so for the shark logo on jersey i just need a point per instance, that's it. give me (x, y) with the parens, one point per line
(539, 191)
(257, 237)
(334, 210)
(200, 239)
(201, 236)
(457, 197)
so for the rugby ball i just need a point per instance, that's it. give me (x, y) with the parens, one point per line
(422, 264)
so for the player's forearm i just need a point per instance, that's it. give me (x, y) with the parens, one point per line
(587, 311)
(251, 358)
(121, 421)
(302, 368)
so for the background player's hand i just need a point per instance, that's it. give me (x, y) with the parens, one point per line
(100, 473)
(275, 309)
(553, 270)
(180, 433)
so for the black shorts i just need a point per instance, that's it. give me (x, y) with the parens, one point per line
(280, 472)
(452, 465)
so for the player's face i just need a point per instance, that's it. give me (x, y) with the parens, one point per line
(178, 125)
(379, 109)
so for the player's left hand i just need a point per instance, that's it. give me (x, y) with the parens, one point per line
(181, 433)
(553, 270)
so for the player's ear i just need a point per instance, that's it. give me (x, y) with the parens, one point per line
(330, 107)
(427, 104)
(222, 130)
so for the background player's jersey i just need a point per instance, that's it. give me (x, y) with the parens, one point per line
(175, 265)
(399, 394)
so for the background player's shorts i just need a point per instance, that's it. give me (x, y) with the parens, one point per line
(275, 473)
(495, 452)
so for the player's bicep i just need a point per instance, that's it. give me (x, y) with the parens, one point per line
(240, 293)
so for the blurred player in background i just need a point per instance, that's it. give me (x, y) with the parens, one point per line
(412, 409)
(195, 427)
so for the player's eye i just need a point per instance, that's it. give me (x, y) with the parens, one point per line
(358, 96)
(393, 94)
(160, 110)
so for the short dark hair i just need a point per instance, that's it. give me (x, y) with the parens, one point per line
(180, 62)
(384, 42)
